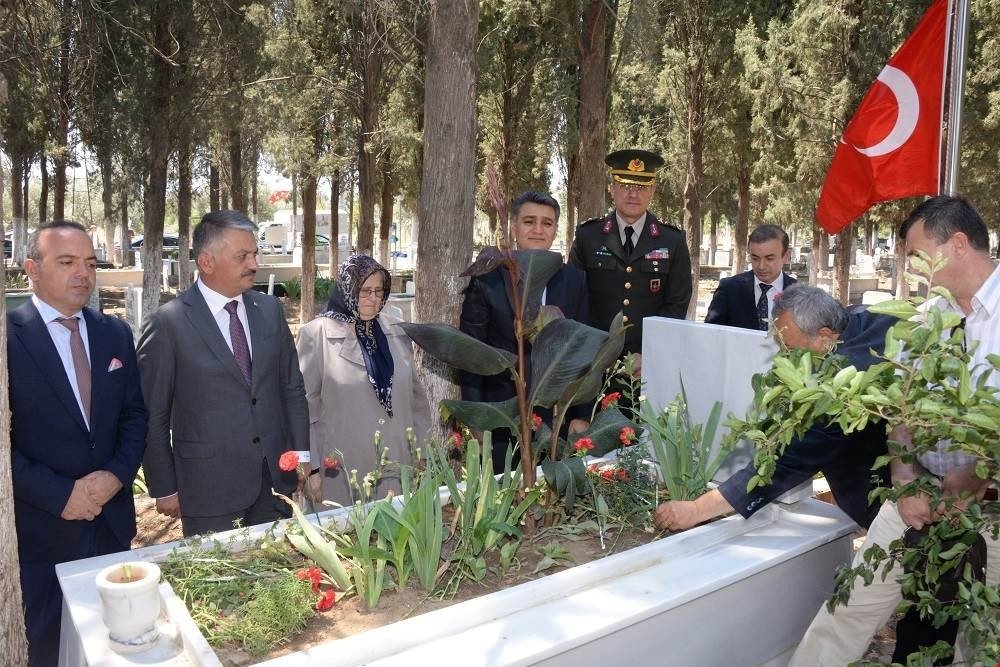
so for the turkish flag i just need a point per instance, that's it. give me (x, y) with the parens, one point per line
(891, 148)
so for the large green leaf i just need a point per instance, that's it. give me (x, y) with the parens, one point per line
(536, 267)
(484, 416)
(563, 351)
(489, 258)
(604, 431)
(586, 387)
(459, 349)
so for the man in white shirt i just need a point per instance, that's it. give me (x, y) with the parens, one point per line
(78, 426)
(221, 378)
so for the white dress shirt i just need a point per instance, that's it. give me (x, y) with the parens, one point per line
(217, 306)
(636, 227)
(60, 337)
(776, 288)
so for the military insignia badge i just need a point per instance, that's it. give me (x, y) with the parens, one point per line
(654, 286)
(606, 227)
(653, 230)
(659, 253)
(637, 165)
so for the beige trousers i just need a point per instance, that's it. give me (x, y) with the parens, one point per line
(838, 638)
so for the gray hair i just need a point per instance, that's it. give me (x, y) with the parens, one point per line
(812, 309)
(33, 252)
(210, 229)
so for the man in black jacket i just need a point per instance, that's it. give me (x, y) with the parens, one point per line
(635, 264)
(747, 299)
(487, 313)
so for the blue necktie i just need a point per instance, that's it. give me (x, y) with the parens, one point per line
(762, 314)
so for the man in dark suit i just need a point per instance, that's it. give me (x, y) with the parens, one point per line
(221, 379)
(746, 300)
(808, 317)
(487, 313)
(78, 426)
(635, 264)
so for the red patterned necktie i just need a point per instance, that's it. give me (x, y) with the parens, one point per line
(81, 364)
(241, 349)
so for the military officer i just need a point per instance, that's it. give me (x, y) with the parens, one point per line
(634, 263)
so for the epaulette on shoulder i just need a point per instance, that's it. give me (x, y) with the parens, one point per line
(669, 225)
(592, 220)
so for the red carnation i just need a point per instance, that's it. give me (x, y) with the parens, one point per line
(455, 439)
(592, 468)
(607, 473)
(311, 574)
(536, 421)
(623, 475)
(610, 400)
(289, 461)
(583, 445)
(627, 435)
(331, 462)
(327, 600)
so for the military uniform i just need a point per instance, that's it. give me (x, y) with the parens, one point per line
(655, 279)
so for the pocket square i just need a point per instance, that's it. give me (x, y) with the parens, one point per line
(115, 364)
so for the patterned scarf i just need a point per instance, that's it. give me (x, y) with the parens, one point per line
(343, 306)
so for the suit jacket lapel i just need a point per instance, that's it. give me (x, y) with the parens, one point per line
(100, 342)
(255, 321)
(35, 338)
(613, 239)
(205, 325)
(351, 349)
(645, 242)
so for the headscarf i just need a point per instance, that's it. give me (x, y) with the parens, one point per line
(343, 306)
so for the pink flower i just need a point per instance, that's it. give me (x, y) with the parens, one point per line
(331, 462)
(327, 600)
(610, 400)
(455, 440)
(536, 421)
(627, 436)
(289, 461)
(583, 445)
(592, 468)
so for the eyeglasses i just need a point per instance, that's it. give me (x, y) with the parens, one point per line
(369, 292)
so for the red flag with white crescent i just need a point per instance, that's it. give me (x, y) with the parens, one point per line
(891, 148)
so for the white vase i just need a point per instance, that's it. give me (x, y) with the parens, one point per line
(130, 608)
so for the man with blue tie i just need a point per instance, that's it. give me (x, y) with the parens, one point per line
(78, 426)
(746, 300)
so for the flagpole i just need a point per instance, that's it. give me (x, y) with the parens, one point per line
(960, 48)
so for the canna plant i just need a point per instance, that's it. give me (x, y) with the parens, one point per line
(566, 366)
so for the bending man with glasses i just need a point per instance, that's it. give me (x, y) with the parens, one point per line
(634, 263)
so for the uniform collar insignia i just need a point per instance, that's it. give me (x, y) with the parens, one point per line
(606, 227)
(653, 230)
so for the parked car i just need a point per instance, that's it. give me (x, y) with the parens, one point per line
(170, 242)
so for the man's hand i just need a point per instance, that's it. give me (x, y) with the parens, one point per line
(80, 506)
(578, 425)
(169, 506)
(102, 486)
(683, 514)
(915, 510)
(677, 515)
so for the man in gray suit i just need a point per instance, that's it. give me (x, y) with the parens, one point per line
(222, 383)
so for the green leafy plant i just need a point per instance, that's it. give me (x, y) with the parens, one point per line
(293, 287)
(368, 553)
(683, 449)
(414, 529)
(311, 544)
(925, 385)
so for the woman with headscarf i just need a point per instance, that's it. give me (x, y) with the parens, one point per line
(357, 363)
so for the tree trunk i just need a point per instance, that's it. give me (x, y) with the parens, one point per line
(19, 209)
(334, 222)
(695, 172)
(107, 200)
(824, 251)
(571, 204)
(60, 157)
(713, 235)
(13, 643)
(367, 183)
(125, 240)
(385, 212)
(869, 236)
(308, 295)
(184, 268)
(254, 181)
(236, 170)
(448, 185)
(900, 287)
(213, 186)
(154, 201)
(817, 246)
(350, 219)
(842, 264)
(43, 190)
(592, 181)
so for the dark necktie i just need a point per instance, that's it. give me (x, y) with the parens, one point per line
(629, 244)
(762, 314)
(81, 365)
(241, 350)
